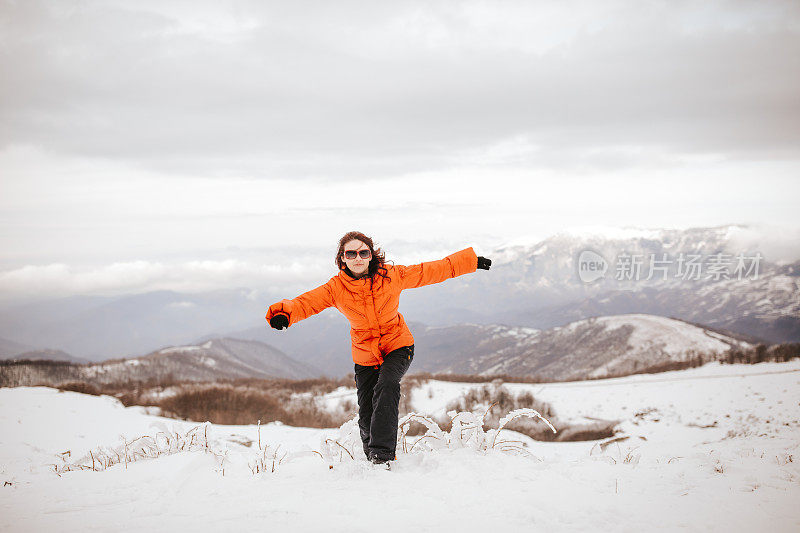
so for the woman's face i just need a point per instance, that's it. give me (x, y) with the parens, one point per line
(358, 265)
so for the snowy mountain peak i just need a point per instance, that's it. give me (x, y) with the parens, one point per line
(592, 347)
(570, 240)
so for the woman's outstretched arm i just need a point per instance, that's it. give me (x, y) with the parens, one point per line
(463, 262)
(307, 304)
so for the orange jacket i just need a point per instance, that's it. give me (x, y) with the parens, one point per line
(376, 328)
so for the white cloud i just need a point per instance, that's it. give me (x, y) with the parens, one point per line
(99, 212)
(779, 244)
(57, 280)
(182, 305)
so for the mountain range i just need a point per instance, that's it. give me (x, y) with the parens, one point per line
(536, 286)
(215, 359)
(589, 348)
(594, 347)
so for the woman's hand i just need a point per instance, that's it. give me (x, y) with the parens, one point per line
(279, 321)
(484, 263)
(278, 316)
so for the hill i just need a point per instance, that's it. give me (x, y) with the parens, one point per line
(213, 360)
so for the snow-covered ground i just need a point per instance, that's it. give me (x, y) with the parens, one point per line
(713, 448)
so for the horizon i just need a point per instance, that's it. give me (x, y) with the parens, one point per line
(30, 285)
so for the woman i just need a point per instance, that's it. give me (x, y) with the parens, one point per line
(367, 291)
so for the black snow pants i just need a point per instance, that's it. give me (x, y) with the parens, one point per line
(378, 401)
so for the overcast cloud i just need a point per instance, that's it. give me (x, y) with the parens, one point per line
(171, 132)
(340, 89)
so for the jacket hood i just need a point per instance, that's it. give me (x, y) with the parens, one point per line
(352, 284)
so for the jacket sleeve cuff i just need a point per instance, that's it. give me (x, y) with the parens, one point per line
(284, 307)
(464, 262)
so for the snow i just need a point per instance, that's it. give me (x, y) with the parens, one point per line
(723, 300)
(340, 399)
(652, 340)
(178, 349)
(432, 397)
(782, 283)
(739, 474)
(521, 332)
(333, 400)
(678, 336)
(650, 333)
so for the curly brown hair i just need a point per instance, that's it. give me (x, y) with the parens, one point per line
(377, 265)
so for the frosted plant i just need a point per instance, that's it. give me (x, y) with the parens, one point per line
(267, 460)
(433, 439)
(509, 446)
(146, 447)
(466, 432)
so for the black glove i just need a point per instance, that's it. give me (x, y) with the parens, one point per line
(484, 263)
(279, 321)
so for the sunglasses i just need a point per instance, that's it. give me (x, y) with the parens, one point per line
(351, 254)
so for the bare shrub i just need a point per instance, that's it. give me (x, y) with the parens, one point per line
(783, 352)
(316, 386)
(224, 405)
(495, 398)
(600, 429)
(304, 412)
(80, 386)
(760, 353)
(241, 405)
(407, 385)
(131, 397)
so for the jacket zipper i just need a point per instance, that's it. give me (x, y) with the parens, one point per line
(356, 311)
(387, 302)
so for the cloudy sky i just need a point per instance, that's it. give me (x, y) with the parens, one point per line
(185, 145)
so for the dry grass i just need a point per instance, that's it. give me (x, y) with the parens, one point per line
(223, 405)
(231, 405)
(316, 386)
(231, 402)
(80, 386)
